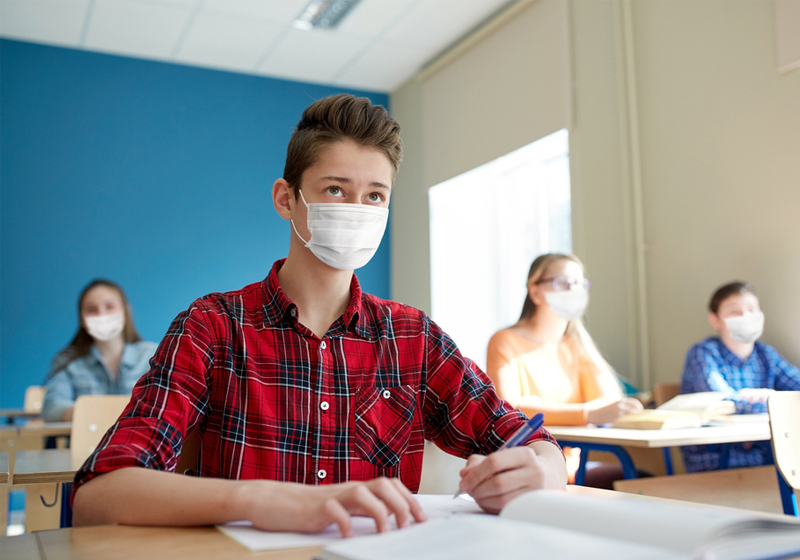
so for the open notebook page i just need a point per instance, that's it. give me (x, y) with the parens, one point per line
(685, 529)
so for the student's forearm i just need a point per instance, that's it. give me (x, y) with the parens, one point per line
(139, 496)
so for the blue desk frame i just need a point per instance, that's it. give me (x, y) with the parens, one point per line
(788, 498)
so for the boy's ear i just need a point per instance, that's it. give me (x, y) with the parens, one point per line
(715, 321)
(281, 195)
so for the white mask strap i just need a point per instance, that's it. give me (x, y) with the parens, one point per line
(292, 221)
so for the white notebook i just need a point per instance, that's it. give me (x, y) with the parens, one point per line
(563, 526)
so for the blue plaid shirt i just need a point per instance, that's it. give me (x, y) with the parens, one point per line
(711, 366)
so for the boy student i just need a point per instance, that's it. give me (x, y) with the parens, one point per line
(738, 364)
(312, 398)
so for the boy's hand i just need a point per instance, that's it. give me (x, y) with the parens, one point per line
(500, 477)
(310, 509)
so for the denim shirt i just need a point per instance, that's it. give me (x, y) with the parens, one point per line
(88, 375)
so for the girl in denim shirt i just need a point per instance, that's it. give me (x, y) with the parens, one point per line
(105, 357)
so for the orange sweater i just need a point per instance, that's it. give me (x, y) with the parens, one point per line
(552, 378)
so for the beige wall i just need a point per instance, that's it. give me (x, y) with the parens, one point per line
(696, 120)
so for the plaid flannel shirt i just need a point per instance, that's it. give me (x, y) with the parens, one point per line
(711, 366)
(274, 401)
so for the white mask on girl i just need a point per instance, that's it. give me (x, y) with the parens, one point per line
(746, 328)
(104, 327)
(569, 304)
(344, 235)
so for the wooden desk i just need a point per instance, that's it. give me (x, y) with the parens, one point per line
(43, 466)
(4, 468)
(9, 414)
(736, 432)
(613, 440)
(115, 542)
(45, 429)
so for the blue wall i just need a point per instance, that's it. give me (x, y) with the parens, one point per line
(156, 176)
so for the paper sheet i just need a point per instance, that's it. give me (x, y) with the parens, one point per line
(435, 507)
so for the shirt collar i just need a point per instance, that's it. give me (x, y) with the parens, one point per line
(277, 306)
(128, 356)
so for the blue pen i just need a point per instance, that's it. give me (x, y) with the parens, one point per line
(519, 437)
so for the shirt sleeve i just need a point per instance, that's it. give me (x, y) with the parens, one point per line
(787, 376)
(59, 396)
(702, 372)
(463, 413)
(167, 403)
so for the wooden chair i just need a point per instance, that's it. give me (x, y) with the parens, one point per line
(93, 416)
(34, 399)
(662, 392)
(784, 423)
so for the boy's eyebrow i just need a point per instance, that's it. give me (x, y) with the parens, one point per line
(346, 180)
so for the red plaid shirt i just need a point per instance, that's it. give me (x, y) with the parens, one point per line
(273, 401)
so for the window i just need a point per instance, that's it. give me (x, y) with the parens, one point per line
(486, 227)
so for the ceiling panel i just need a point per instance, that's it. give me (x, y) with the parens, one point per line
(384, 66)
(228, 41)
(437, 24)
(147, 29)
(373, 18)
(323, 55)
(283, 11)
(379, 45)
(184, 4)
(57, 22)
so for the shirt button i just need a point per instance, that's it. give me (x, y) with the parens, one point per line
(324, 405)
(322, 345)
(321, 474)
(293, 312)
(386, 393)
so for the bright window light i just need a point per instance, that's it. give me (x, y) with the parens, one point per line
(486, 227)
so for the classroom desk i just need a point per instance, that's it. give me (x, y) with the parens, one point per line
(4, 468)
(43, 466)
(113, 542)
(9, 414)
(45, 429)
(612, 440)
(47, 466)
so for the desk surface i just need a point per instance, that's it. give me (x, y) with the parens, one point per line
(45, 429)
(43, 466)
(113, 542)
(739, 431)
(17, 413)
(3, 468)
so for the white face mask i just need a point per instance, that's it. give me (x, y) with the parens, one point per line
(569, 304)
(343, 235)
(104, 327)
(746, 328)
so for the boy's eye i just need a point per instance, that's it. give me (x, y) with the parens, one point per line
(335, 191)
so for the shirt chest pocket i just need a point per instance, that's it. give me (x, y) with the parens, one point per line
(383, 423)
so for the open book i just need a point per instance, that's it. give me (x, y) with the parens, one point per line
(684, 411)
(565, 526)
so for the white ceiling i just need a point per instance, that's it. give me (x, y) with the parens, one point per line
(378, 46)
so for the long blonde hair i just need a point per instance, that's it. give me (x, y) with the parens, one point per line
(575, 332)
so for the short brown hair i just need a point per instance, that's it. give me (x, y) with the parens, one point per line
(728, 290)
(340, 117)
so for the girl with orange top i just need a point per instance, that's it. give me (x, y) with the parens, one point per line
(548, 363)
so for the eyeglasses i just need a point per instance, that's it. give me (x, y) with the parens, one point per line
(565, 283)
